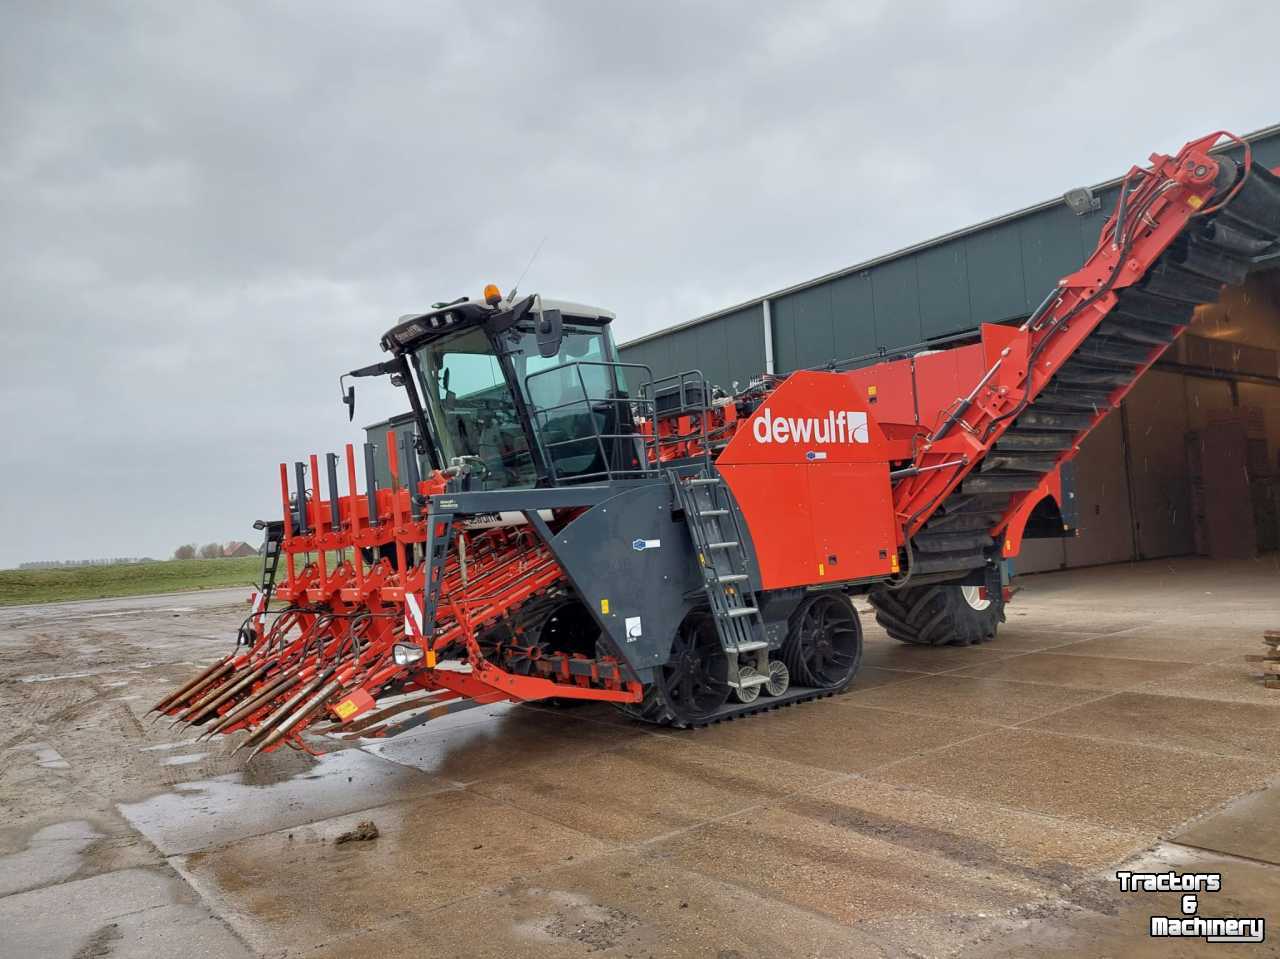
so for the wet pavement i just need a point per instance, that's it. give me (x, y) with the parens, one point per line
(955, 802)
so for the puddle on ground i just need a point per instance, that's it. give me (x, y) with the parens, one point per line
(53, 678)
(184, 760)
(275, 791)
(164, 747)
(60, 677)
(53, 854)
(469, 746)
(45, 756)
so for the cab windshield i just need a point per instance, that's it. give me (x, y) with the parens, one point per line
(474, 413)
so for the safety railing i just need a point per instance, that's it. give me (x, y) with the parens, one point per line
(624, 452)
(692, 397)
(612, 447)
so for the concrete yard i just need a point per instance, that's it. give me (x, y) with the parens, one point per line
(971, 802)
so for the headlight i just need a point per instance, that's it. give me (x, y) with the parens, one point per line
(405, 654)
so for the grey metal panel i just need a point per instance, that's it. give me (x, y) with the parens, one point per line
(684, 351)
(654, 354)
(725, 349)
(853, 316)
(897, 297)
(641, 354)
(944, 290)
(712, 352)
(648, 586)
(997, 290)
(784, 334)
(1052, 247)
(1266, 152)
(809, 311)
(663, 362)
(744, 345)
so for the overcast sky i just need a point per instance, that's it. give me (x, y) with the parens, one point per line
(209, 211)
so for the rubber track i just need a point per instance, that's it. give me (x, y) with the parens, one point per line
(729, 711)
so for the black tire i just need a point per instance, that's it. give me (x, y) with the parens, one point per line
(823, 648)
(937, 615)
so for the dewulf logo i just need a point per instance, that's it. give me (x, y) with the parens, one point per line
(846, 426)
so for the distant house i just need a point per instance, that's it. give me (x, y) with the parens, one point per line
(236, 549)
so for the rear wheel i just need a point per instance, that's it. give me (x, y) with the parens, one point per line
(939, 614)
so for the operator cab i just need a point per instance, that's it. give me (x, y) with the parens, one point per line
(519, 394)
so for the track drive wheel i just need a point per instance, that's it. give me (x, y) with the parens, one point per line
(939, 614)
(693, 683)
(823, 648)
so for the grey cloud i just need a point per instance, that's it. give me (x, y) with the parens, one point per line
(208, 211)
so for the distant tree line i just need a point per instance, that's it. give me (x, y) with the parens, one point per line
(112, 561)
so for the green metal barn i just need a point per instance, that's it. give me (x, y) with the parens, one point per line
(1190, 466)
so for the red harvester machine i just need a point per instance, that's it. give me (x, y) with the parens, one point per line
(564, 526)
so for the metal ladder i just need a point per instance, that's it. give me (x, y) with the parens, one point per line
(722, 556)
(273, 536)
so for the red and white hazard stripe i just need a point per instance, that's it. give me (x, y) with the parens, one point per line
(413, 616)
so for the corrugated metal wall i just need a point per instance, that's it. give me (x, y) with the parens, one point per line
(726, 349)
(1131, 474)
(1000, 272)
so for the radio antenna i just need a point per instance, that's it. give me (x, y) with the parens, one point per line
(512, 295)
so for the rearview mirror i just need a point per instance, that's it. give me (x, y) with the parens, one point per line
(349, 392)
(550, 333)
(348, 396)
(350, 400)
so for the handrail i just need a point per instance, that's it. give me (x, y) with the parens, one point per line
(647, 465)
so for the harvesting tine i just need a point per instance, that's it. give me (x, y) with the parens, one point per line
(254, 703)
(183, 690)
(249, 677)
(201, 682)
(298, 716)
(209, 695)
(268, 724)
(202, 690)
